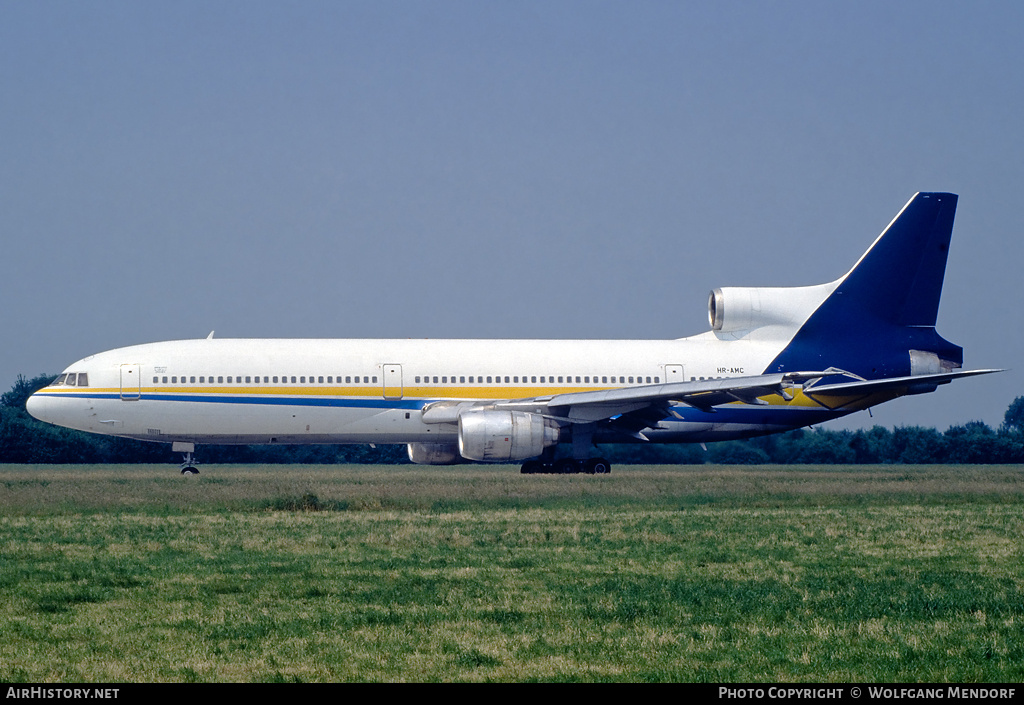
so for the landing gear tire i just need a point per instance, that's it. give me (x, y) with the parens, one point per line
(532, 467)
(189, 466)
(567, 466)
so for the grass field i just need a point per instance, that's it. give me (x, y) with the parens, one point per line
(695, 573)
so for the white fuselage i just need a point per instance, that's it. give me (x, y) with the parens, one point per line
(372, 391)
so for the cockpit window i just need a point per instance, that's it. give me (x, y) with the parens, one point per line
(72, 379)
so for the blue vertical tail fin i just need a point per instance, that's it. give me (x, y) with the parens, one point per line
(887, 305)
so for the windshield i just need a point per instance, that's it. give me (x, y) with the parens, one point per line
(72, 379)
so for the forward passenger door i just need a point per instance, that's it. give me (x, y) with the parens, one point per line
(392, 381)
(131, 382)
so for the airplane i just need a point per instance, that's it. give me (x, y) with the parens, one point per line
(775, 359)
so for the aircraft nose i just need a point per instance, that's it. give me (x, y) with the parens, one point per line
(36, 405)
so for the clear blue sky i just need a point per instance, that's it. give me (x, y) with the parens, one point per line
(495, 169)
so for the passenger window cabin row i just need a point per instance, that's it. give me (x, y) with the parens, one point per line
(534, 379)
(419, 379)
(81, 379)
(250, 379)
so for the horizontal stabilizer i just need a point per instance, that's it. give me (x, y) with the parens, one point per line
(879, 385)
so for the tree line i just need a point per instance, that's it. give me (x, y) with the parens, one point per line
(26, 440)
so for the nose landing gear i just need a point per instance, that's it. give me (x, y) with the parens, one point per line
(188, 467)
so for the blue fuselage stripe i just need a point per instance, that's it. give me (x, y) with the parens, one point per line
(727, 414)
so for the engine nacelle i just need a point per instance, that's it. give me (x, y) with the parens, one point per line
(434, 453)
(732, 309)
(497, 436)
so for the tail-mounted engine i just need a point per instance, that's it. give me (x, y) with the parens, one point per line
(733, 309)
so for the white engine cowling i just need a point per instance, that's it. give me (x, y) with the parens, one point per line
(497, 436)
(732, 309)
(744, 303)
(434, 453)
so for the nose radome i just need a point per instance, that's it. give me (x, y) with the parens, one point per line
(36, 406)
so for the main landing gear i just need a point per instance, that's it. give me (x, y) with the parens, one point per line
(567, 466)
(582, 444)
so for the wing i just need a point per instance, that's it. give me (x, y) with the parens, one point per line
(649, 403)
(588, 407)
